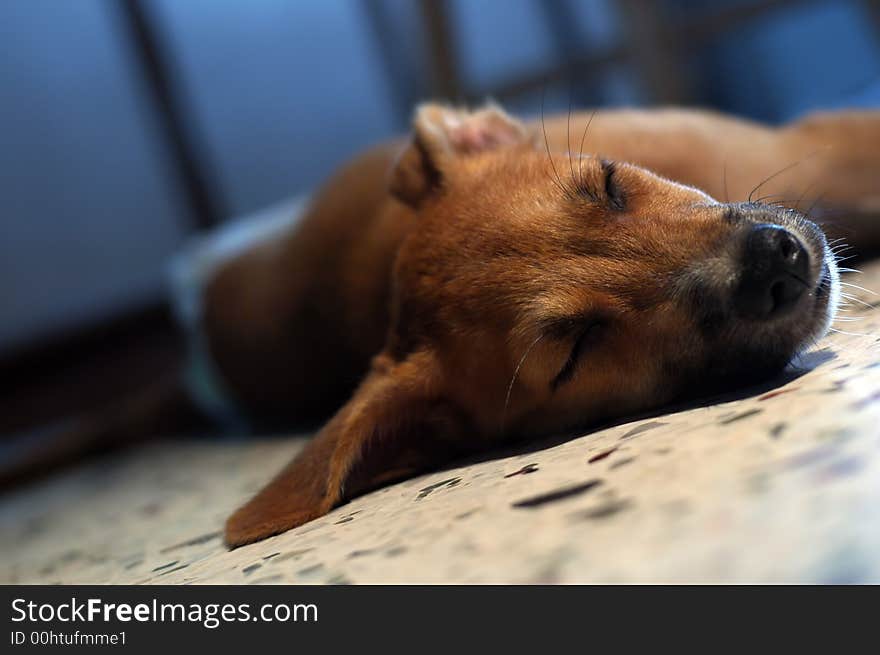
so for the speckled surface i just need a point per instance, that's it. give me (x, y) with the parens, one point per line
(777, 486)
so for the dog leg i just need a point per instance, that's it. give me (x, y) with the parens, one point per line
(835, 175)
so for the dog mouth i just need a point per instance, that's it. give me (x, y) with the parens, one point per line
(827, 294)
(826, 284)
(768, 292)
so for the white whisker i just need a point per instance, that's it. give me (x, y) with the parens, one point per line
(513, 379)
(859, 301)
(856, 286)
(851, 334)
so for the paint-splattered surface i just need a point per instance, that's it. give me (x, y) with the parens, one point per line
(779, 486)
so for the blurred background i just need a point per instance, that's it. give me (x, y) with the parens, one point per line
(127, 127)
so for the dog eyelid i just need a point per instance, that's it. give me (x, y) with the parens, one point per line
(587, 336)
(613, 193)
(585, 189)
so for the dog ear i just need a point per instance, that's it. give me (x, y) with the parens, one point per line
(395, 425)
(442, 134)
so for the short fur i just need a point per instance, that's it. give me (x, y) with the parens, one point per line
(473, 276)
(484, 280)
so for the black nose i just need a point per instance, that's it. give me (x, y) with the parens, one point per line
(775, 267)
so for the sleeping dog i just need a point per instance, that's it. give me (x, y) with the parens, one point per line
(489, 280)
(485, 284)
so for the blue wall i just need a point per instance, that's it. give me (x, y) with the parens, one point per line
(88, 213)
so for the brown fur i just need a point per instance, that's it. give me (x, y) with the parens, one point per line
(493, 258)
(309, 311)
(438, 289)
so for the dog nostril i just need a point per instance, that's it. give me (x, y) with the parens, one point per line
(788, 246)
(774, 270)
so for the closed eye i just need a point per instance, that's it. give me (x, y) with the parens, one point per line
(586, 337)
(613, 193)
(608, 190)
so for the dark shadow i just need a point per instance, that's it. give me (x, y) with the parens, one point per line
(10, 480)
(802, 365)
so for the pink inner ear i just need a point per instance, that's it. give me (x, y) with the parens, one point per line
(485, 133)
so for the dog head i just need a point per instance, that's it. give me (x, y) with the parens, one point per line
(541, 291)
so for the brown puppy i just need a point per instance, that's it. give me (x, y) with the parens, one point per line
(514, 288)
(511, 292)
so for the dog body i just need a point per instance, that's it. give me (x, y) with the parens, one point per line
(509, 286)
(293, 324)
(487, 280)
